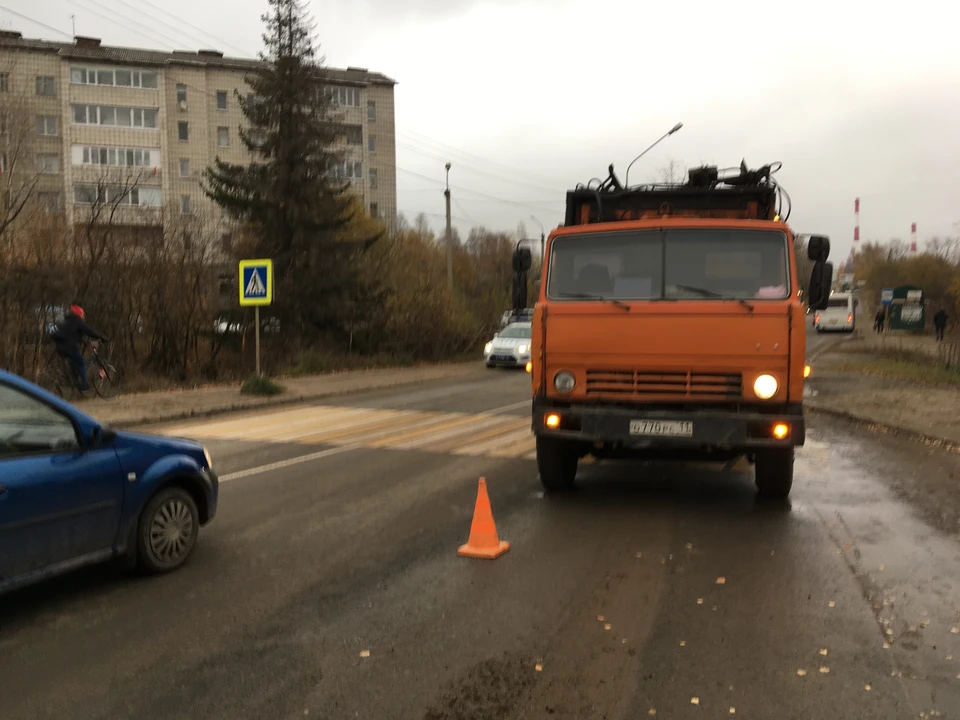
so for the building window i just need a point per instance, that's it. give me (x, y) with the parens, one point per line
(4, 82)
(45, 86)
(184, 204)
(184, 167)
(114, 156)
(374, 210)
(181, 93)
(49, 201)
(183, 131)
(118, 77)
(116, 195)
(371, 111)
(46, 124)
(221, 100)
(372, 143)
(118, 116)
(347, 96)
(373, 177)
(48, 164)
(223, 137)
(354, 134)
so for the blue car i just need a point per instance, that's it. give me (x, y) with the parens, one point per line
(74, 492)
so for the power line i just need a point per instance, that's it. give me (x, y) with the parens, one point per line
(148, 33)
(35, 22)
(195, 27)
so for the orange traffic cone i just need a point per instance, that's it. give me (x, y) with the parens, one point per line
(484, 541)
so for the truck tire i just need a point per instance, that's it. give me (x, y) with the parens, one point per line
(557, 462)
(774, 473)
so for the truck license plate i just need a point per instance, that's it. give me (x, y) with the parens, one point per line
(662, 428)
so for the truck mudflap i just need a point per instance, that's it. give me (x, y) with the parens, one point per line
(643, 428)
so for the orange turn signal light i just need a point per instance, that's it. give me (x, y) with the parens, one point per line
(529, 367)
(552, 421)
(781, 430)
(807, 370)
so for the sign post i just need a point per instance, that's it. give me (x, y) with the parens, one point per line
(886, 296)
(256, 290)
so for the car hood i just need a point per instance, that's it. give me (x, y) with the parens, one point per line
(509, 343)
(160, 443)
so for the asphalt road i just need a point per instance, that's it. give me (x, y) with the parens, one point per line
(329, 585)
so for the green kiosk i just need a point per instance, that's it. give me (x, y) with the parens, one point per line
(906, 312)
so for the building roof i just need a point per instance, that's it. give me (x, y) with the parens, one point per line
(90, 49)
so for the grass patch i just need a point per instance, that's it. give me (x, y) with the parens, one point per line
(260, 385)
(902, 366)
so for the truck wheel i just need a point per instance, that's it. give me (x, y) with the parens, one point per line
(774, 473)
(168, 530)
(557, 462)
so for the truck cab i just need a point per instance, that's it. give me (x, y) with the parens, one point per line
(669, 325)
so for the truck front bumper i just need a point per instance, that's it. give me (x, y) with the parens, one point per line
(664, 428)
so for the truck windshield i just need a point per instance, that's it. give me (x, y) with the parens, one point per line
(706, 264)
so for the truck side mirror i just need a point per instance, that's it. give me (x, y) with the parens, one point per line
(522, 259)
(820, 280)
(818, 248)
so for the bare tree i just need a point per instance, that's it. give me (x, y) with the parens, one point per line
(673, 172)
(19, 173)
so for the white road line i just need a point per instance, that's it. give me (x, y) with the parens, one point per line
(288, 463)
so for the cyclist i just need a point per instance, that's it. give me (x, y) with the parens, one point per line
(68, 337)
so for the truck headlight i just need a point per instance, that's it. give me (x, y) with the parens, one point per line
(765, 387)
(564, 381)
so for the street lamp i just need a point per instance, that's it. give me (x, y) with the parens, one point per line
(449, 238)
(675, 128)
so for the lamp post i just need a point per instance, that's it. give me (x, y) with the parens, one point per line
(675, 128)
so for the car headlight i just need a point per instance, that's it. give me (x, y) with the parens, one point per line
(488, 347)
(206, 456)
(564, 381)
(765, 387)
(521, 349)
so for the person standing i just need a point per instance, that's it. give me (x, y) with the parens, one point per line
(940, 322)
(879, 320)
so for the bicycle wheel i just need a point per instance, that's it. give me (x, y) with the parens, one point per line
(107, 380)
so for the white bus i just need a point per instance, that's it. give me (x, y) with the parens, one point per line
(840, 314)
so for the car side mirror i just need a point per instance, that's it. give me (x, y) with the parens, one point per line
(820, 279)
(818, 248)
(102, 435)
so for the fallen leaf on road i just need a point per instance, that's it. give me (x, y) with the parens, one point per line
(955, 630)
(867, 688)
(671, 556)
(624, 641)
(689, 546)
(639, 554)
(846, 543)
(924, 623)
(801, 672)
(831, 604)
(771, 552)
(823, 651)
(652, 711)
(733, 711)
(721, 580)
(889, 631)
(714, 608)
(882, 568)
(824, 669)
(839, 551)
(538, 667)
(694, 701)
(886, 646)
(912, 628)
(364, 653)
(601, 618)
(607, 626)
(699, 601)
(683, 643)
(949, 657)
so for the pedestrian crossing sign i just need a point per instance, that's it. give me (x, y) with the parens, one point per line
(256, 282)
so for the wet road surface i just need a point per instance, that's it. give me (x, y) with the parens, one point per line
(329, 584)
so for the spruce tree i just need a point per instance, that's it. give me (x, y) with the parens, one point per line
(289, 194)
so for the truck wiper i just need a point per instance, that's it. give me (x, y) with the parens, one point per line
(588, 296)
(710, 293)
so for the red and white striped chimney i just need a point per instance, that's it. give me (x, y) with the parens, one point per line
(856, 220)
(913, 237)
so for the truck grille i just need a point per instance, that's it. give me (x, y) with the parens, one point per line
(665, 385)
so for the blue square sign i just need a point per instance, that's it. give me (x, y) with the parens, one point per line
(256, 282)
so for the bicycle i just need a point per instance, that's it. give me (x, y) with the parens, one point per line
(103, 377)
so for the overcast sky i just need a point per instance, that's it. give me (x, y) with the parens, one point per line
(526, 98)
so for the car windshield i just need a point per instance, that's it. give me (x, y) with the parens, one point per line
(708, 263)
(516, 331)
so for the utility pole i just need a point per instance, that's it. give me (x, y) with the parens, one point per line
(543, 237)
(446, 194)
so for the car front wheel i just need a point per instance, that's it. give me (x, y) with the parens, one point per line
(168, 530)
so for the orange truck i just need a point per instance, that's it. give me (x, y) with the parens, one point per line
(670, 325)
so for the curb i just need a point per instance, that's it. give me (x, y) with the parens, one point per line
(241, 405)
(871, 424)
